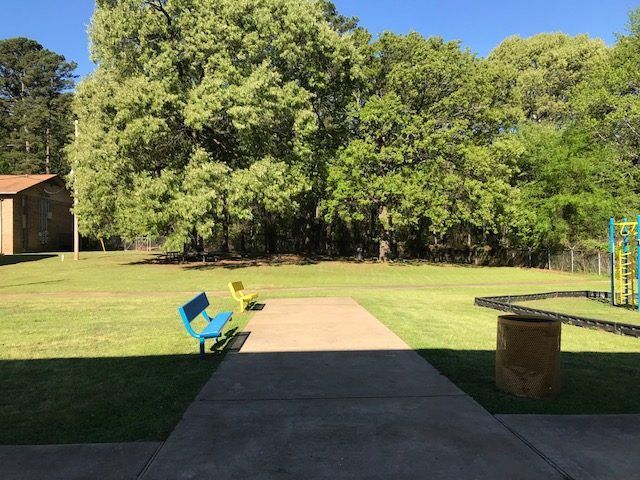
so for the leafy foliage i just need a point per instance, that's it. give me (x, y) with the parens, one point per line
(281, 124)
(35, 111)
(543, 70)
(212, 107)
(421, 158)
(569, 186)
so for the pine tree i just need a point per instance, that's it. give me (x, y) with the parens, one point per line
(35, 113)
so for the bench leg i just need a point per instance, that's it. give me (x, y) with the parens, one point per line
(202, 348)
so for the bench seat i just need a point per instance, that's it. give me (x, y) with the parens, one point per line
(217, 323)
(239, 295)
(195, 308)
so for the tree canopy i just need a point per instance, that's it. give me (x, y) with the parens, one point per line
(272, 125)
(35, 107)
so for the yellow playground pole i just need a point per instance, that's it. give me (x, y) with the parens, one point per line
(625, 274)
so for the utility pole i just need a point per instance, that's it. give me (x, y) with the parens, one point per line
(76, 236)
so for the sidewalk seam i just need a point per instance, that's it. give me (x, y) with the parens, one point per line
(368, 397)
(150, 460)
(537, 451)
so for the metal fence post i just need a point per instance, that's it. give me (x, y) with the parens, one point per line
(599, 265)
(571, 250)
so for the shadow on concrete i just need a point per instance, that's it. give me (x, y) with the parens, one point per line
(104, 461)
(599, 447)
(370, 414)
(27, 257)
(69, 400)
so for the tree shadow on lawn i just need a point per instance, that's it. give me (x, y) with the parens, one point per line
(44, 282)
(232, 261)
(77, 400)
(592, 382)
(27, 257)
(271, 261)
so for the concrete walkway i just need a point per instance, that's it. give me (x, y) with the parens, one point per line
(321, 389)
(104, 461)
(585, 447)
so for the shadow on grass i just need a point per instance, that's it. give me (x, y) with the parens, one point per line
(275, 261)
(592, 382)
(44, 282)
(232, 261)
(76, 400)
(105, 399)
(28, 257)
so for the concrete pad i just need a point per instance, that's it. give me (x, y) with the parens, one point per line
(392, 438)
(291, 325)
(106, 461)
(321, 389)
(327, 338)
(294, 375)
(589, 447)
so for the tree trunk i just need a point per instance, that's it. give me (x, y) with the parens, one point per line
(270, 241)
(48, 151)
(225, 225)
(384, 248)
(266, 236)
(27, 144)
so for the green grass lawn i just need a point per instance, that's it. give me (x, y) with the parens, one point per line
(94, 351)
(585, 307)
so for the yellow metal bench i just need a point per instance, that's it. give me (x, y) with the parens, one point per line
(239, 295)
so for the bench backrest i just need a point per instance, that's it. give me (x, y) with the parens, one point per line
(236, 289)
(194, 307)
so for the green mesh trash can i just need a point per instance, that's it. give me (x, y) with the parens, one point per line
(528, 356)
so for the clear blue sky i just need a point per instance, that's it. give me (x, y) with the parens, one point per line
(61, 25)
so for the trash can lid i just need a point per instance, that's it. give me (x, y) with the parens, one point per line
(527, 318)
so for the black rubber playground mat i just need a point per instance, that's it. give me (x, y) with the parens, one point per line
(507, 303)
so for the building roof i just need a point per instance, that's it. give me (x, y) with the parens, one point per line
(12, 184)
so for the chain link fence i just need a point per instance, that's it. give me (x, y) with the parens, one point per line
(582, 262)
(596, 263)
(143, 244)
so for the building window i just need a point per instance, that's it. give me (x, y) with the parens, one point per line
(44, 206)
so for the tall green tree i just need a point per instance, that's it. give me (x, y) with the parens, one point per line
(182, 84)
(607, 102)
(35, 111)
(271, 124)
(267, 195)
(569, 185)
(420, 161)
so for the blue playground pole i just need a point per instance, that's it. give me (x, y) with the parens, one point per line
(612, 246)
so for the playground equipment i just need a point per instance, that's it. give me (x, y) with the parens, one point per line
(624, 255)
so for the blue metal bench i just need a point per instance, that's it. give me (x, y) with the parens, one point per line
(196, 306)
